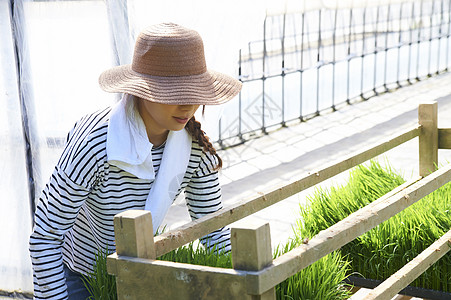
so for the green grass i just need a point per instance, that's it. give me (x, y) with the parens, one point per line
(383, 250)
(99, 283)
(322, 280)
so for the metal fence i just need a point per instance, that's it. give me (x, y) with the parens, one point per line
(314, 61)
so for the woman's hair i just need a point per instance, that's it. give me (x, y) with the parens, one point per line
(194, 128)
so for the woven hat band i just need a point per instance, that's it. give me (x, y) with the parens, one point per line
(180, 53)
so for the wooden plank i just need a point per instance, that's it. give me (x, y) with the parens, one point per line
(198, 228)
(395, 283)
(344, 231)
(134, 236)
(169, 280)
(444, 138)
(428, 138)
(251, 250)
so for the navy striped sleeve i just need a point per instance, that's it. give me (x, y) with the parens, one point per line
(203, 197)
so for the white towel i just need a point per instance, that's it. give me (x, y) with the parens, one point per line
(170, 175)
(129, 149)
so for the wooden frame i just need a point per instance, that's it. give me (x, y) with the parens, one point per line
(255, 274)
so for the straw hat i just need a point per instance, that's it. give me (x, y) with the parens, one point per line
(169, 67)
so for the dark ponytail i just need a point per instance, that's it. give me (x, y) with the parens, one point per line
(194, 128)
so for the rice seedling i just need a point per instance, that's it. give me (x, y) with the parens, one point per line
(99, 283)
(322, 280)
(386, 248)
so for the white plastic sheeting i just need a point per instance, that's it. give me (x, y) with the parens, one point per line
(51, 54)
(15, 219)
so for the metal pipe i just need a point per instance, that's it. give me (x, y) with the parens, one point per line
(264, 76)
(419, 41)
(333, 59)
(283, 69)
(240, 133)
(412, 22)
(363, 53)
(302, 65)
(318, 59)
(399, 46)
(386, 47)
(375, 51)
(349, 58)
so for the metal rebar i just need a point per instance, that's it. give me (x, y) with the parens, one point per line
(419, 41)
(399, 46)
(439, 37)
(353, 32)
(301, 116)
(448, 36)
(283, 68)
(386, 47)
(363, 53)
(348, 100)
(240, 133)
(375, 51)
(431, 19)
(412, 22)
(264, 76)
(334, 36)
(318, 65)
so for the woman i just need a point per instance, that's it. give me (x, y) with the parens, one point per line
(135, 155)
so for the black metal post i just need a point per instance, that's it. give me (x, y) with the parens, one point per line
(375, 51)
(448, 36)
(348, 100)
(301, 117)
(334, 37)
(431, 18)
(399, 46)
(264, 77)
(439, 37)
(283, 69)
(387, 33)
(419, 41)
(412, 22)
(240, 133)
(362, 56)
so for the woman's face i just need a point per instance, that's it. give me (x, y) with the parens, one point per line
(160, 118)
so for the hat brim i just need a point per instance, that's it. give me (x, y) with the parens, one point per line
(209, 88)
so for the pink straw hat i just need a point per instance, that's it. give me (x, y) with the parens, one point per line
(169, 67)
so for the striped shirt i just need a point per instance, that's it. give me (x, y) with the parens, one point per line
(74, 215)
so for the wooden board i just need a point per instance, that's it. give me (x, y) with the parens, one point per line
(444, 138)
(168, 280)
(172, 240)
(428, 138)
